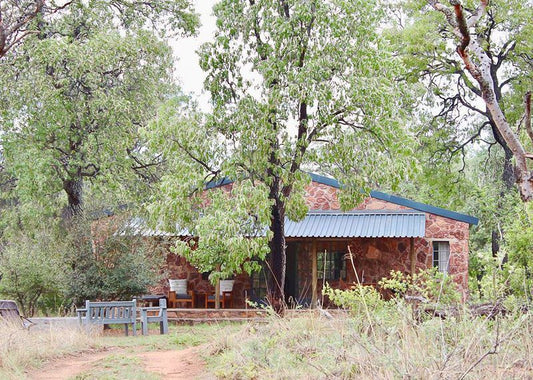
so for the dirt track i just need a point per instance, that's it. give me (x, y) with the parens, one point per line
(175, 364)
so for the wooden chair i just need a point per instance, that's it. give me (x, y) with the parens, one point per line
(179, 293)
(226, 295)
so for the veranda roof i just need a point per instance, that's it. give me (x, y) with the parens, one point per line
(326, 224)
(381, 223)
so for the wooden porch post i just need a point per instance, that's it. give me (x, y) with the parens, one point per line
(314, 271)
(217, 291)
(412, 255)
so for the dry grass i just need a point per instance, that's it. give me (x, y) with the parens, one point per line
(21, 349)
(396, 347)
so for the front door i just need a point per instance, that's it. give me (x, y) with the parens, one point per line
(291, 274)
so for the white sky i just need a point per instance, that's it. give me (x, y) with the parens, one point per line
(187, 68)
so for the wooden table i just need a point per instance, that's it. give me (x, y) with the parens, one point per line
(152, 299)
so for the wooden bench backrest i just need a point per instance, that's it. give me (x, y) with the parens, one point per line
(111, 312)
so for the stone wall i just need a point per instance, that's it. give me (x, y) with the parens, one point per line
(377, 257)
(373, 258)
(177, 267)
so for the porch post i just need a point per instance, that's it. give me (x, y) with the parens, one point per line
(217, 291)
(314, 271)
(412, 255)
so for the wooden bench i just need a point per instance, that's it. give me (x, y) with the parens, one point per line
(109, 313)
(9, 312)
(155, 314)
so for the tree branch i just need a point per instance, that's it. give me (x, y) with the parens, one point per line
(527, 115)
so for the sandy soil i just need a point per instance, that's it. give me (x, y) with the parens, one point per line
(70, 365)
(179, 364)
(183, 364)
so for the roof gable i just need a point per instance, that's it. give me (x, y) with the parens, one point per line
(379, 195)
(402, 201)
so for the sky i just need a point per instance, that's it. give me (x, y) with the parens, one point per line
(187, 68)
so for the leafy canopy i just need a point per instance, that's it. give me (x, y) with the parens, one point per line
(295, 86)
(75, 96)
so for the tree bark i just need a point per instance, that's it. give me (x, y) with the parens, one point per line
(278, 258)
(74, 190)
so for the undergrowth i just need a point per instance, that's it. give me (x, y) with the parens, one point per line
(382, 342)
(22, 349)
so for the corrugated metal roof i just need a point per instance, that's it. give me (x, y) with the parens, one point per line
(324, 224)
(321, 224)
(138, 227)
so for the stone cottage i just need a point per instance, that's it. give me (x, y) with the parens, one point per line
(384, 233)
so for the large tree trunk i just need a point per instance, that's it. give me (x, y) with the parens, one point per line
(74, 190)
(278, 258)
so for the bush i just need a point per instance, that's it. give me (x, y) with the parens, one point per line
(430, 284)
(48, 269)
(103, 265)
(359, 300)
(31, 268)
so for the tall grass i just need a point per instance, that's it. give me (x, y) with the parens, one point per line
(21, 350)
(397, 346)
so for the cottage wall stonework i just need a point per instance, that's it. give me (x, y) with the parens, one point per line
(379, 256)
(374, 258)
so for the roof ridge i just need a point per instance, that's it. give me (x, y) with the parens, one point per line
(328, 181)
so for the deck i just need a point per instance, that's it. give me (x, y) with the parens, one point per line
(197, 315)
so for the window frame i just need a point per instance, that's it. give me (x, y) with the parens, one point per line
(335, 265)
(441, 263)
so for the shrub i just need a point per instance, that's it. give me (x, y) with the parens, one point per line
(430, 284)
(359, 299)
(31, 269)
(105, 265)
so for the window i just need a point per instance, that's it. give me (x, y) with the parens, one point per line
(331, 265)
(258, 284)
(441, 255)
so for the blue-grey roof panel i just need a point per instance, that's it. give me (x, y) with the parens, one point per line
(319, 224)
(424, 207)
(378, 195)
(324, 224)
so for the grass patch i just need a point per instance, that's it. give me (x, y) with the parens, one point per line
(396, 347)
(178, 337)
(118, 366)
(23, 350)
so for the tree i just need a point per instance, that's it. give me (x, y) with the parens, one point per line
(486, 80)
(295, 85)
(500, 37)
(20, 19)
(75, 97)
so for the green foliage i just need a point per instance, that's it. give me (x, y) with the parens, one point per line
(47, 268)
(321, 93)
(506, 277)
(105, 266)
(359, 300)
(233, 238)
(75, 94)
(430, 284)
(32, 269)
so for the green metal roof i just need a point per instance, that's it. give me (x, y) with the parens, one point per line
(325, 224)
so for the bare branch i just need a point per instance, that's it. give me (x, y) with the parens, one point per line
(476, 15)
